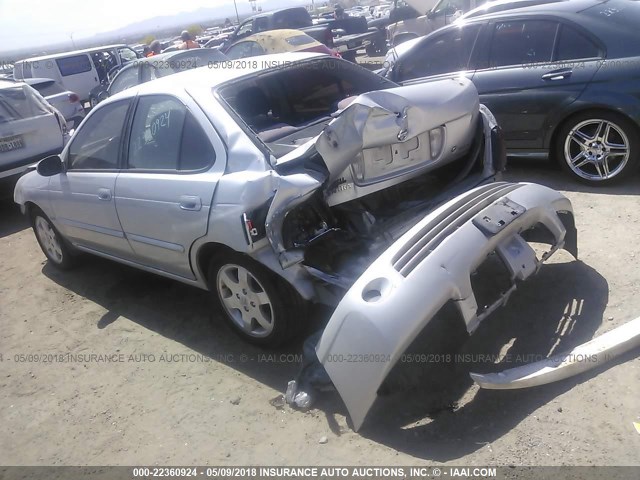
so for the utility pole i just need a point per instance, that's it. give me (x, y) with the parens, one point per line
(237, 15)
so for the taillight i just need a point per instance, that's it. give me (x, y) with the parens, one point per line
(73, 98)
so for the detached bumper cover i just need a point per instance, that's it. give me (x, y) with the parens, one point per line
(584, 357)
(390, 304)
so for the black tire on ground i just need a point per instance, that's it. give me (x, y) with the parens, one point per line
(260, 307)
(57, 250)
(589, 146)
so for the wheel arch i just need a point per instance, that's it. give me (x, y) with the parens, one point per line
(205, 253)
(296, 276)
(29, 207)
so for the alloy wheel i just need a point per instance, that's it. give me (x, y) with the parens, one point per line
(596, 149)
(49, 240)
(245, 300)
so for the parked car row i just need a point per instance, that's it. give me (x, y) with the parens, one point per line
(78, 71)
(157, 66)
(562, 79)
(66, 102)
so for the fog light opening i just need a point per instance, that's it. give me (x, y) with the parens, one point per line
(375, 290)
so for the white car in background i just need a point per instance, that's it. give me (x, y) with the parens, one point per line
(66, 102)
(30, 128)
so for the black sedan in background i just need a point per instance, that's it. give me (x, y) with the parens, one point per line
(561, 78)
(150, 68)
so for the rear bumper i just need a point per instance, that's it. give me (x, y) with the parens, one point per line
(429, 266)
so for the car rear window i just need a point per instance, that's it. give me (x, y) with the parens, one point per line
(573, 45)
(292, 18)
(48, 88)
(300, 94)
(74, 65)
(299, 40)
(19, 103)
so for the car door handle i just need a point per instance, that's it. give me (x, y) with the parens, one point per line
(188, 202)
(558, 74)
(104, 194)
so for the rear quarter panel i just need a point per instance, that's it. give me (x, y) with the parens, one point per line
(614, 87)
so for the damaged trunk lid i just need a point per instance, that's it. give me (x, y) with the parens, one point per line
(385, 137)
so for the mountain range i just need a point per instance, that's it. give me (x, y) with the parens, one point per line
(159, 26)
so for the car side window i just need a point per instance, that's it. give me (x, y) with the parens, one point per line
(239, 50)
(166, 136)
(261, 24)
(245, 29)
(96, 146)
(521, 42)
(573, 45)
(126, 79)
(256, 49)
(446, 53)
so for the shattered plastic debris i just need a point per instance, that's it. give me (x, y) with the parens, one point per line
(293, 397)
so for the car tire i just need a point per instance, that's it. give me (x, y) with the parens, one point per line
(598, 148)
(371, 50)
(52, 243)
(262, 308)
(93, 101)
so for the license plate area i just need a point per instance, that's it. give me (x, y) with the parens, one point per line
(8, 144)
(498, 216)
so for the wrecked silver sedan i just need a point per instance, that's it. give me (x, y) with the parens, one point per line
(294, 179)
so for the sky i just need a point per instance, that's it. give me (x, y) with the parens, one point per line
(31, 23)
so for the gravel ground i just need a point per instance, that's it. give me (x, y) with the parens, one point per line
(164, 402)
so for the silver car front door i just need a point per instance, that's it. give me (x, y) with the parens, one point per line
(82, 196)
(163, 198)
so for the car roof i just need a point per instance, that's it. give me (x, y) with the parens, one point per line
(279, 34)
(184, 53)
(489, 7)
(75, 52)
(279, 37)
(38, 81)
(271, 13)
(572, 7)
(6, 83)
(211, 78)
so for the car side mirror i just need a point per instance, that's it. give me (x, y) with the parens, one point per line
(50, 166)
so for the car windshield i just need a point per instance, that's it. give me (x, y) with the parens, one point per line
(300, 94)
(20, 102)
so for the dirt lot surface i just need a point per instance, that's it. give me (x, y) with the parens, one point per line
(164, 403)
